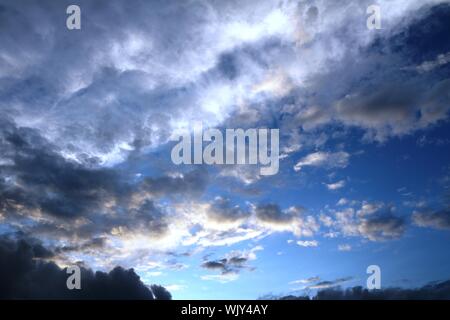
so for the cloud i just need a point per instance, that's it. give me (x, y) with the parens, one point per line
(344, 247)
(306, 281)
(432, 291)
(324, 159)
(308, 243)
(329, 284)
(87, 115)
(175, 287)
(25, 274)
(222, 278)
(85, 209)
(291, 219)
(193, 182)
(316, 283)
(441, 60)
(222, 211)
(433, 219)
(397, 100)
(231, 265)
(336, 185)
(382, 228)
(373, 221)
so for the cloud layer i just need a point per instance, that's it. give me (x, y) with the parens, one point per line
(25, 274)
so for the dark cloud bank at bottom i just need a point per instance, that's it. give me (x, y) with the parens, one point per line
(25, 274)
(432, 291)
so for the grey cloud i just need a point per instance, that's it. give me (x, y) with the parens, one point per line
(215, 265)
(272, 213)
(232, 263)
(395, 109)
(227, 265)
(382, 227)
(373, 87)
(291, 219)
(96, 243)
(24, 274)
(376, 222)
(329, 284)
(222, 210)
(433, 219)
(35, 180)
(432, 291)
(109, 87)
(193, 182)
(36, 177)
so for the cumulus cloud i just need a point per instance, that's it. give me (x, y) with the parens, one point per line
(291, 219)
(25, 274)
(373, 221)
(220, 222)
(223, 211)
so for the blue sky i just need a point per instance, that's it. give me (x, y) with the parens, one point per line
(88, 118)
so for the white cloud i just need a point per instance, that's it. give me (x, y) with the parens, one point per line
(305, 281)
(441, 60)
(175, 287)
(308, 243)
(222, 278)
(336, 185)
(324, 159)
(344, 247)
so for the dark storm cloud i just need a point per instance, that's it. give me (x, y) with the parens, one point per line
(35, 179)
(25, 275)
(96, 243)
(433, 291)
(35, 176)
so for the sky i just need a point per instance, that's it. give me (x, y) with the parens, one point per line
(88, 118)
